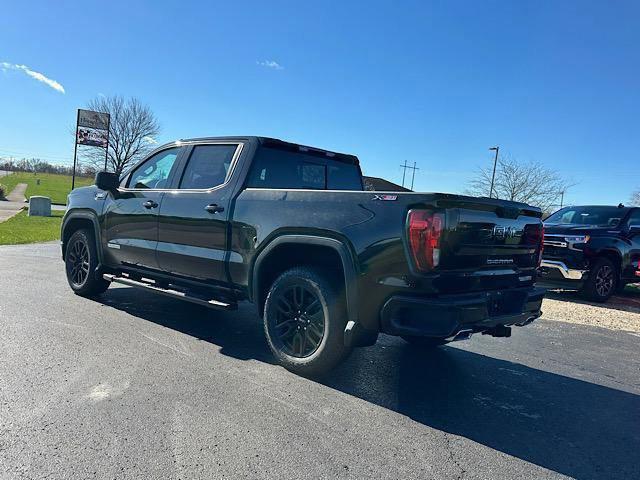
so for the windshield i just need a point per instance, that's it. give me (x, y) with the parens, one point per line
(596, 216)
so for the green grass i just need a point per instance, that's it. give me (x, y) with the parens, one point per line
(25, 229)
(56, 187)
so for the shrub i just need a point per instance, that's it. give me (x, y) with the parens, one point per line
(3, 191)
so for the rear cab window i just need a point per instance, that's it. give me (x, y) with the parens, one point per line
(287, 169)
(208, 166)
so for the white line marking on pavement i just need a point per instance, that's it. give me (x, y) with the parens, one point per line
(165, 345)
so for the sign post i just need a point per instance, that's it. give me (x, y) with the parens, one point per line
(92, 129)
(75, 153)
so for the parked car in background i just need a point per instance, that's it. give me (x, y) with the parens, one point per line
(215, 221)
(593, 249)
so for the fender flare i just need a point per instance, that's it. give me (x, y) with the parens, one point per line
(84, 215)
(354, 334)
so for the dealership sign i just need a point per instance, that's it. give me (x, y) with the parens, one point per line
(93, 138)
(96, 120)
(92, 130)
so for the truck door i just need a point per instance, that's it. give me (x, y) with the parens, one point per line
(131, 214)
(193, 221)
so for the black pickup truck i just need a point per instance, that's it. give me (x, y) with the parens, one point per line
(594, 249)
(216, 221)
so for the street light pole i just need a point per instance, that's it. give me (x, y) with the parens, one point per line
(493, 176)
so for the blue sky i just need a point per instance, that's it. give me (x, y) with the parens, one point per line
(432, 82)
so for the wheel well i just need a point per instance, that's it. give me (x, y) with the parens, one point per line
(614, 257)
(72, 226)
(286, 256)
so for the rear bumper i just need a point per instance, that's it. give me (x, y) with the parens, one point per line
(447, 315)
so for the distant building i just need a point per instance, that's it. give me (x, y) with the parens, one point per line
(382, 185)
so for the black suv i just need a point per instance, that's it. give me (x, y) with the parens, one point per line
(215, 221)
(594, 249)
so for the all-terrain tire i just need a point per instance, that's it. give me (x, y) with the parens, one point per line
(602, 281)
(81, 261)
(304, 321)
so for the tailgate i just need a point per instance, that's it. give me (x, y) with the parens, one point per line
(490, 235)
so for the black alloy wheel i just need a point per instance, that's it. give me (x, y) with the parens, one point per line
(78, 262)
(605, 281)
(602, 281)
(81, 264)
(299, 321)
(304, 320)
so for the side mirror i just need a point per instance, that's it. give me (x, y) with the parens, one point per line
(107, 181)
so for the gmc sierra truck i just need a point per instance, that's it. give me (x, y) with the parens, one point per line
(593, 249)
(216, 221)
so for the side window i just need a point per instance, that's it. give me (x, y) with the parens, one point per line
(154, 172)
(275, 168)
(208, 166)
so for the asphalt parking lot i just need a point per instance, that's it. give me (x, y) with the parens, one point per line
(138, 386)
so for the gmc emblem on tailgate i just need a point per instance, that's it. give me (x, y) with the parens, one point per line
(500, 233)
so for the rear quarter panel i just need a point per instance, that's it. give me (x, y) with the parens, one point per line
(372, 231)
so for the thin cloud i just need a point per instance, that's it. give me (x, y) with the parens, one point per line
(270, 64)
(33, 74)
(149, 139)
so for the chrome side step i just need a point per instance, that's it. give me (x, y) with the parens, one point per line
(168, 292)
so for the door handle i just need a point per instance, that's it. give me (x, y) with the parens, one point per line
(213, 208)
(149, 204)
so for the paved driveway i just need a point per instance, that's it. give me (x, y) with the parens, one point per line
(138, 386)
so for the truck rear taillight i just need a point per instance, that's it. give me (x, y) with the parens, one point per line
(425, 232)
(534, 235)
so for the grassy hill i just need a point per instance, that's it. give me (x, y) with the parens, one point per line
(57, 187)
(25, 229)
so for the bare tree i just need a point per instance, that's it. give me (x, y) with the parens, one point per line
(528, 182)
(131, 132)
(635, 198)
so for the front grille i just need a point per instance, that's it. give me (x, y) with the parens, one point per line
(555, 241)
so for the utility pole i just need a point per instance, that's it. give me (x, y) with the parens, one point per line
(561, 198)
(413, 175)
(493, 176)
(404, 170)
(406, 167)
